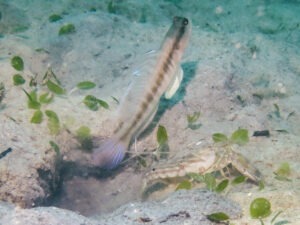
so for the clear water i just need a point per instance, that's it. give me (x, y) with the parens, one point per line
(241, 70)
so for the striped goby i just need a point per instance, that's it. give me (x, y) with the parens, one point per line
(140, 104)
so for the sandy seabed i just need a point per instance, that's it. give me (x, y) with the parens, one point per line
(241, 70)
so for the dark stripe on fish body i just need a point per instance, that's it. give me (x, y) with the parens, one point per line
(177, 40)
(138, 117)
(136, 120)
(149, 97)
(181, 31)
(145, 106)
(154, 90)
(120, 125)
(166, 67)
(167, 64)
(159, 80)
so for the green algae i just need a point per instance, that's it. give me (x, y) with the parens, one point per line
(37, 117)
(161, 135)
(111, 7)
(192, 119)
(83, 135)
(85, 85)
(17, 63)
(184, 185)
(260, 208)
(32, 101)
(239, 179)
(67, 29)
(18, 79)
(283, 172)
(55, 147)
(55, 88)
(53, 122)
(219, 137)
(162, 140)
(54, 17)
(222, 186)
(93, 103)
(217, 217)
(46, 98)
(239, 137)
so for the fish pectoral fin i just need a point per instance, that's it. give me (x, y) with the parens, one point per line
(175, 83)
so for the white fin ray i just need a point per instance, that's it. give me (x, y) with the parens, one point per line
(175, 83)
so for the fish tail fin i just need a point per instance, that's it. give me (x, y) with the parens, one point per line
(110, 154)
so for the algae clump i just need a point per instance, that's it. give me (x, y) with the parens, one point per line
(54, 18)
(53, 122)
(67, 29)
(37, 117)
(18, 79)
(93, 103)
(217, 217)
(17, 63)
(260, 208)
(85, 85)
(83, 135)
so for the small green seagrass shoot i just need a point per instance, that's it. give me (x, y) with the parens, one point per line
(239, 137)
(38, 99)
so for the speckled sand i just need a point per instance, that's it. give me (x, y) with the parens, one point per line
(246, 49)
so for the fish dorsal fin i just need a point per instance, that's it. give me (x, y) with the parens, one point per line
(175, 83)
(141, 79)
(142, 63)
